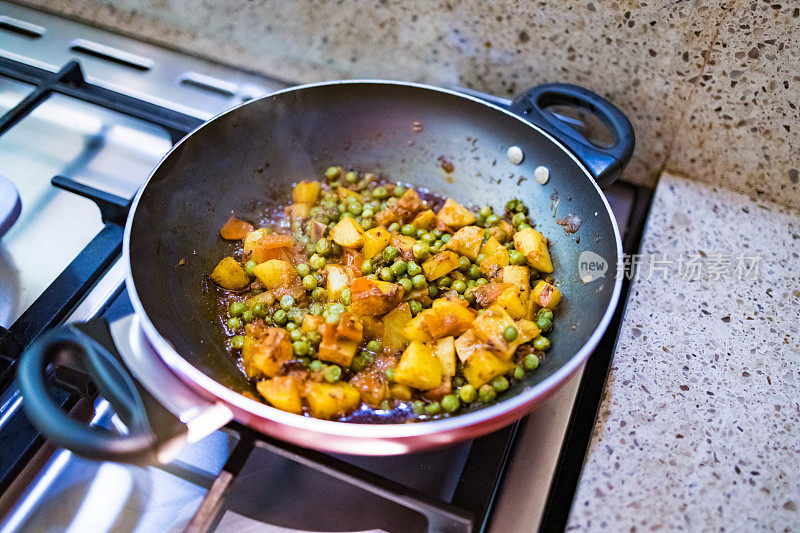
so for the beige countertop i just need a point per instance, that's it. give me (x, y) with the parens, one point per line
(699, 428)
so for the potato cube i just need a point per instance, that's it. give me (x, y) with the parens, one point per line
(496, 258)
(264, 298)
(262, 355)
(306, 192)
(282, 392)
(419, 368)
(489, 328)
(336, 349)
(443, 319)
(338, 280)
(386, 216)
(440, 265)
(466, 344)
(486, 295)
(453, 216)
(373, 297)
(276, 273)
(425, 220)
(405, 245)
(311, 323)
(467, 241)
(372, 385)
(261, 245)
(526, 332)
(483, 366)
(445, 350)
(533, 245)
(350, 328)
(375, 240)
(546, 295)
(345, 194)
(502, 231)
(327, 400)
(348, 233)
(416, 329)
(235, 229)
(393, 324)
(519, 276)
(298, 211)
(511, 301)
(230, 275)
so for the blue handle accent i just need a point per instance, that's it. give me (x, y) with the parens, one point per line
(605, 164)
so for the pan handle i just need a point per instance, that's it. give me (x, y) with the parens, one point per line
(605, 162)
(154, 434)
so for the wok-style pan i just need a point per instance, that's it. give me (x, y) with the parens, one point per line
(182, 383)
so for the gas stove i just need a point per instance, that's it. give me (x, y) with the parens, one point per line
(86, 115)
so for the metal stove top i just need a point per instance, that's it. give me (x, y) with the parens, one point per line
(60, 262)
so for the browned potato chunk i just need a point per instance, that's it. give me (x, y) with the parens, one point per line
(533, 245)
(405, 245)
(261, 245)
(348, 233)
(282, 392)
(502, 231)
(511, 300)
(440, 265)
(425, 220)
(298, 211)
(444, 319)
(483, 366)
(306, 192)
(419, 368)
(329, 400)
(235, 229)
(466, 344)
(409, 205)
(445, 350)
(340, 341)
(393, 324)
(375, 240)
(230, 275)
(276, 273)
(373, 297)
(519, 276)
(467, 241)
(453, 216)
(496, 258)
(486, 295)
(546, 295)
(264, 350)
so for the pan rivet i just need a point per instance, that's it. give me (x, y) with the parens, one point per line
(515, 155)
(541, 175)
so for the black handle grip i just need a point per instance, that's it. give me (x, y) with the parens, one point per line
(606, 164)
(150, 426)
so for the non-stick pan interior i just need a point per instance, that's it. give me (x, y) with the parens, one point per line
(249, 158)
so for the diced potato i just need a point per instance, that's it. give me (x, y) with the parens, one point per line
(375, 240)
(442, 320)
(276, 273)
(496, 258)
(546, 295)
(519, 276)
(416, 329)
(311, 323)
(453, 216)
(345, 193)
(328, 400)
(440, 265)
(386, 216)
(486, 295)
(483, 366)
(372, 385)
(348, 233)
(373, 297)
(336, 349)
(298, 211)
(533, 245)
(263, 355)
(393, 324)
(261, 245)
(350, 327)
(230, 275)
(526, 332)
(282, 392)
(511, 301)
(265, 298)
(425, 220)
(401, 392)
(466, 344)
(467, 241)
(419, 368)
(235, 229)
(352, 259)
(445, 350)
(337, 280)
(306, 192)
(502, 231)
(373, 326)
(405, 245)
(316, 230)
(489, 328)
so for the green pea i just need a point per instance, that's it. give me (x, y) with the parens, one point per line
(523, 226)
(516, 258)
(333, 173)
(398, 268)
(500, 383)
(418, 407)
(531, 362)
(295, 334)
(300, 348)
(421, 251)
(237, 342)
(519, 372)
(336, 249)
(248, 316)
(394, 227)
(470, 297)
(541, 343)
(544, 323)
(317, 262)
(316, 366)
(287, 302)
(389, 253)
(346, 296)
(314, 337)
(234, 323)
(486, 211)
(332, 373)
(333, 318)
(355, 208)
(437, 233)
(362, 361)
(511, 205)
(412, 268)
(444, 281)
(464, 263)
(408, 230)
(386, 274)
(432, 291)
(296, 315)
(390, 373)
(450, 403)
(380, 192)
(510, 334)
(517, 219)
(481, 281)
(367, 267)
(492, 220)
(310, 249)
(337, 308)
(291, 326)
(319, 294)
(417, 232)
(416, 307)
(280, 317)
(467, 393)
(315, 308)
(471, 283)
(459, 286)
(474, 271)
(399, 191)
(419, 281)
(351, 177)
(433, 408)
(237, 308)
(310, 282)
(487, 393)
(521, 207)
(446, 238)
(249, 266)
(368, 211)
(480, 259)
(545, 312)
(406, 284)
(259, 310)
(367, 223)
(323, 247)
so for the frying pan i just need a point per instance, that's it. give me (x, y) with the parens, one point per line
(164, 368)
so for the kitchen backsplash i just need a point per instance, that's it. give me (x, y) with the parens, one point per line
(712, 87)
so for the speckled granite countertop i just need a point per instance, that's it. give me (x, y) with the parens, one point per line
(699, 428)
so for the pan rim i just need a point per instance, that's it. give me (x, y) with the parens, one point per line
(191, 374)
